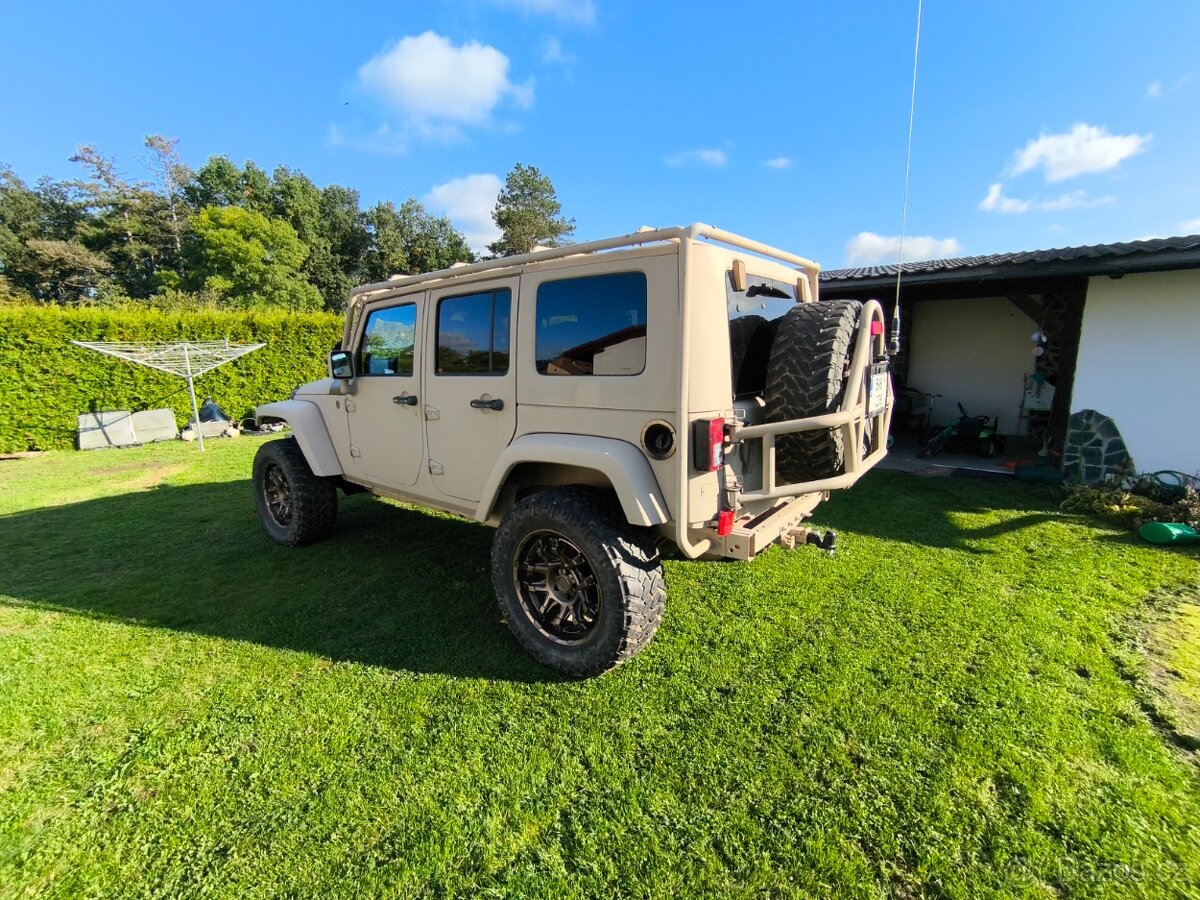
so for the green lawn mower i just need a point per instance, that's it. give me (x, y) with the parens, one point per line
(966, 434)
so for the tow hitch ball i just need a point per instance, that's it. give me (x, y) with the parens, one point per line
(827, 541)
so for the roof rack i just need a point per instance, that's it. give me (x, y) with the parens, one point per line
(699, 230)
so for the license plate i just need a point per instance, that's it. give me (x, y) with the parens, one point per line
(877, 390)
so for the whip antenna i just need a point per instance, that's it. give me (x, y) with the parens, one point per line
(912, 110)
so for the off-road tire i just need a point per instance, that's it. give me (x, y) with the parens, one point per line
(810, 359)
(625, 563)
(750, 339)
(312, 509)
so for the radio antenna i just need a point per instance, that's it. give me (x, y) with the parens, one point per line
(912, 110)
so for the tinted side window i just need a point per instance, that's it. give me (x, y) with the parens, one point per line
(472, 333)
(594, 325)
(387, 347)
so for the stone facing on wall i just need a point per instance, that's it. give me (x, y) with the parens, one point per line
(1094, 447)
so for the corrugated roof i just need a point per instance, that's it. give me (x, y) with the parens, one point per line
(1158, 253)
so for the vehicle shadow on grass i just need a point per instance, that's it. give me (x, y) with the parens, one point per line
(919, 510)
(394, 587)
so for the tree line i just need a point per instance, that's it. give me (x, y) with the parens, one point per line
(230, 236)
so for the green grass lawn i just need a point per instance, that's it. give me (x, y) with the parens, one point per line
(955, 705)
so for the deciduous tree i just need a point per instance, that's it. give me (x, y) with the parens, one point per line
(410, 240)
(245, 259)
(44, 213)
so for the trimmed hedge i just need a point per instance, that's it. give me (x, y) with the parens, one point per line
(46, 381)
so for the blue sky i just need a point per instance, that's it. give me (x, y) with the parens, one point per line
(1038, 124)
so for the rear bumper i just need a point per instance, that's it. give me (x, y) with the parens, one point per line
(779, 523)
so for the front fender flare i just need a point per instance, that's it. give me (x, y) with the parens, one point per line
(619, 461)
(309, 428)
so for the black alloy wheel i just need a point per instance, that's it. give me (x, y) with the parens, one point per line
(557, 588)
(296, 505)
(578, 586)
(278, 494)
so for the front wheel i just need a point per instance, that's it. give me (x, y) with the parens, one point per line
(296, 505)
(581, 591)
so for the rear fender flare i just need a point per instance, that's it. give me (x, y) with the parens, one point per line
(308, 426)
(626, 469)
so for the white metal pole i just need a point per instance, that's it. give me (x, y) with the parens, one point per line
(187, 363)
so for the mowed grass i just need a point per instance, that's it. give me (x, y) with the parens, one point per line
(953, 705)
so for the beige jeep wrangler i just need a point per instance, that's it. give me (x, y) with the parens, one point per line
(594, 402)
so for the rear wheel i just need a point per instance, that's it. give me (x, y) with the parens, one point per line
(296, 506)
(580, 590)
(810, 360)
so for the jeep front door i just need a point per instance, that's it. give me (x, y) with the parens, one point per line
(385, 410)
(470, 385)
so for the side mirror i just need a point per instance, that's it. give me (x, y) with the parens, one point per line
(341, 364)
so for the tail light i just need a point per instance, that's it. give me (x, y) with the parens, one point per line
(708, 444)
(724, 522)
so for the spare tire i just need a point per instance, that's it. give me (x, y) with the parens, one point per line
(807, 377)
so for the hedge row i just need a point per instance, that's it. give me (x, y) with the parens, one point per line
(46, 381)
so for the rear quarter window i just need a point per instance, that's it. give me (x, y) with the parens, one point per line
(593, 325)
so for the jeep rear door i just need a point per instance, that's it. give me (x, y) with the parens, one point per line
(470, 384)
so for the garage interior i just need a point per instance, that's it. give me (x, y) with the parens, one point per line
(1003, 345)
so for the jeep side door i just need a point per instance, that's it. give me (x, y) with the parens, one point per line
(384, 413)
(470, 384)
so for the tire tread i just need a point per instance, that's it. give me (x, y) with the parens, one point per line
(806, 377)
(314, 497)
(632, 555)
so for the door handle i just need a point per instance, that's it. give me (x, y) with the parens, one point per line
(406, 399)
(487, 404)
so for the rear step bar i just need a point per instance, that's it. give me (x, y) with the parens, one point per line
(857, 426)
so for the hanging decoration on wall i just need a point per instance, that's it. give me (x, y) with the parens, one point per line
(1039, 342)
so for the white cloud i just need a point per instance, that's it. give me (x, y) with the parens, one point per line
(469, 202)
(700, 157)
(1191, 226)
(1154, 89)
(996, 201)
(577, 12)
(778, 162)
(1082, 150)
(430, 81)
(867, 248)
(382, 140)
(553, 54)
(1074, 200)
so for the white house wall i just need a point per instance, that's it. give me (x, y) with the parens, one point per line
(973, 352)
(1139, 363)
